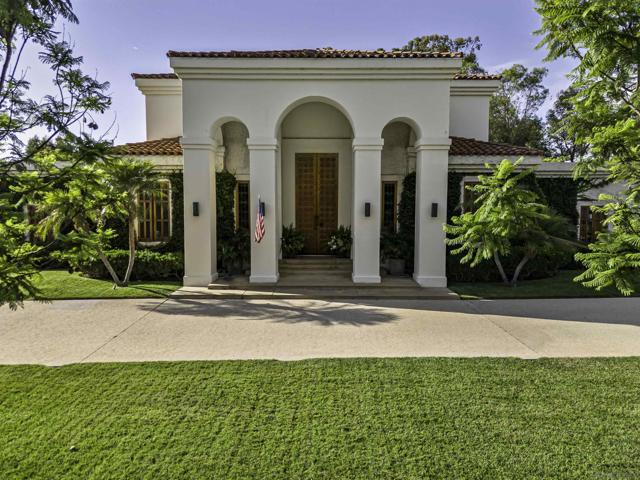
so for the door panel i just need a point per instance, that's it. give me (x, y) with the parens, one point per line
(316, 199)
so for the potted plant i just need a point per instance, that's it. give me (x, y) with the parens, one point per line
(292, 242)
(339, 243)
(393, 251)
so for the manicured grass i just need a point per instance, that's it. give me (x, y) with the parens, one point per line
(559, 286)
(60, 284)
(342, 419)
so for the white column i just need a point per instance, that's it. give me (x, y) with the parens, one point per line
(432, 166)
(367, 163)
(199, 231)
(263, 168)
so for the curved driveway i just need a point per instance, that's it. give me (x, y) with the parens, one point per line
(73, 331)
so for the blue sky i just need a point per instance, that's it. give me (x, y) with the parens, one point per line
(117, 37)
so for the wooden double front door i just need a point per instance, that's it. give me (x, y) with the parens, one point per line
(316, 199)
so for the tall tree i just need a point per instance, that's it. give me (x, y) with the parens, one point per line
(509, 221)
(563, 143)
(513, 112)
(73, 99)
(469, 46)
(603, 38)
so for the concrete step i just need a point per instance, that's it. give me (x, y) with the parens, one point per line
(308, 268)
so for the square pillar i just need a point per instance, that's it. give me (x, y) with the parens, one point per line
(432, 167)
(199, 175)
(367, 165)
(263, 181)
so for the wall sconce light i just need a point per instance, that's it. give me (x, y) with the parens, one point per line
(196, 209)
(434, 210)
(367, 209)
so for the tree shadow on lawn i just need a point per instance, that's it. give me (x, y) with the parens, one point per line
(320, 312)
(368, 312)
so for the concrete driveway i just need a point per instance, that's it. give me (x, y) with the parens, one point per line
(205, 329)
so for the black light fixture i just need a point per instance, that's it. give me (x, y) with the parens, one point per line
(434, 210)
(367, 209)
(196, 209)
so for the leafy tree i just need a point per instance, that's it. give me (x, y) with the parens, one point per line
(74, 98)
(96, 192)
(603, 38)
(513, 112)
(509, 221)
(563, 144)
(469, 46)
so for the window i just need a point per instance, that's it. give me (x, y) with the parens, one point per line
(242, 206)
(468, 197)
(389, 205)
(590, 224)
(154, 219)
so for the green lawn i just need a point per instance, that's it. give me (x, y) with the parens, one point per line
(60, 284)
(560, 286)
(333, 419)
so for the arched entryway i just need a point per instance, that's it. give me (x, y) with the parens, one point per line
(316, 170)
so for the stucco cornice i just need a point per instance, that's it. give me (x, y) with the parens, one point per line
(432, 143)
(367, 143)
(159, 86)
(315, 69)
(262, 143)
(197, 143)
(461, 88)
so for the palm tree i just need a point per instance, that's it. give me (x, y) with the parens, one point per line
(130, 178)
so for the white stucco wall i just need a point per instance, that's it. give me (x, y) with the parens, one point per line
(164, 116)
(470, 117)
(469, 107)
(370, 93)
(163, 106)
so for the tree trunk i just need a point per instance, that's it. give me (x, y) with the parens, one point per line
(112, 272)
(519, 268)
(82, 226)
(496, 258)
(132, 249)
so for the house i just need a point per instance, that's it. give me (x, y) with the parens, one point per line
(323, 138)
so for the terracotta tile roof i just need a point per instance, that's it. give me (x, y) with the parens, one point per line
(154, 75)
(316, 53)
(470, 146)
(477, 76)
(164, 146)
(459, 147)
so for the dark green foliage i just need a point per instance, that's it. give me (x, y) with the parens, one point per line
(454, 194)
(427, 418)
(469, 46)
(234, 248)
(225, 194)
(561, 194)
(392, 245)
(292, 241)
(176, 242)
(513, 113)
(407, 218)
(150, 265)
(340, 242)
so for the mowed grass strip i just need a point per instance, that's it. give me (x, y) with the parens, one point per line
(61, 285)
(360, 418)
(559, 286)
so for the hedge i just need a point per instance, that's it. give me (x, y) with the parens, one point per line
(149, 265)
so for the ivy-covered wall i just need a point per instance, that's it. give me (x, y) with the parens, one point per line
(561, 194)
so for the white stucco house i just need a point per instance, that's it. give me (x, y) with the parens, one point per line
(324, 138)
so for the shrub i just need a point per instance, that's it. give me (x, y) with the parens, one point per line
(234, 252)
(292, 242)
(392, 245)
(149, 265)
(340, 242)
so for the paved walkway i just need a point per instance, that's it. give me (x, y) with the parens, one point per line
(195, 329)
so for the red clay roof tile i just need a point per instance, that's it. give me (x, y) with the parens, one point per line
(459, 147)
(316, 53)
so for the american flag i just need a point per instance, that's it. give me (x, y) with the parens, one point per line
(259, 222)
